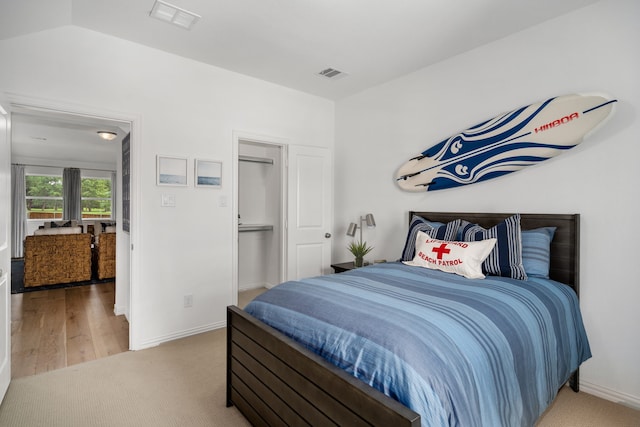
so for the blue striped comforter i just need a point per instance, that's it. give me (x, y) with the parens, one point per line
(460, 352)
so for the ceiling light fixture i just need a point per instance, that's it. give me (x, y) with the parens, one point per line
(173, 14)
(105, 134)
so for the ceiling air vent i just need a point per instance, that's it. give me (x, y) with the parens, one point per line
(332, 73)
(173, 14)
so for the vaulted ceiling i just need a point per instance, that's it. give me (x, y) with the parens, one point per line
(287, 42)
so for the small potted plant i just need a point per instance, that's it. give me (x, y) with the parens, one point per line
(359, 250)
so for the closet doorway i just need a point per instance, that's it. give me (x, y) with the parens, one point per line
(261, 211)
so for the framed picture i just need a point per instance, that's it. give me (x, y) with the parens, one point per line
(171, 171)
(208, 173)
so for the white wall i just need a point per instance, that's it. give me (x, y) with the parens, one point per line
(592, 49)
(186, 109)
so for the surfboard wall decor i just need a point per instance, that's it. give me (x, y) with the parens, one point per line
(506, 143)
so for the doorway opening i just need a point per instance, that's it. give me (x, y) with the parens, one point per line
(58, 131)
(261, 211)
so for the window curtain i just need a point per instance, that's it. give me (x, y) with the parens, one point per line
(19, 210)
(71, 194)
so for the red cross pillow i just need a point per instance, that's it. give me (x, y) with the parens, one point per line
(463, 258)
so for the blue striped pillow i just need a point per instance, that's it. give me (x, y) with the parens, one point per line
(536, 251)
(435, 230)
(506, 257)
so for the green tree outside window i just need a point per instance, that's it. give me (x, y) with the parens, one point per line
(44, 197)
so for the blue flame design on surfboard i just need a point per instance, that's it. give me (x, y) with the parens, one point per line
(506, 143)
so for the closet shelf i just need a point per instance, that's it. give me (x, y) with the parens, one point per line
(255, 159)
(254, 227)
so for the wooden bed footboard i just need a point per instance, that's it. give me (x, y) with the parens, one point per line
(275, 381)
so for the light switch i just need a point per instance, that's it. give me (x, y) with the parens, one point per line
(222, 201)
(168, 200)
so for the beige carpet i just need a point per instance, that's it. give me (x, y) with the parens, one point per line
(182, 383)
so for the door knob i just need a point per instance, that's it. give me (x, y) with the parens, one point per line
(327, 235)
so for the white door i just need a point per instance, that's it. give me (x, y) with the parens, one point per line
(309, 218)
(5, 252)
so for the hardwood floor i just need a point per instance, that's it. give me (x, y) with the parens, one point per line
(56, 328)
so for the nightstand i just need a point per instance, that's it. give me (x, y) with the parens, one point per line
(342, 267)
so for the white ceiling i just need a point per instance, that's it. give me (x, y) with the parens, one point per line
(63, 139)
(288, 42)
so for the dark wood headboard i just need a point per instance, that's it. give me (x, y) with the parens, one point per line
(565, 247)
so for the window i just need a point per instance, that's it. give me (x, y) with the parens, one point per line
(96, 198)
(44, 196)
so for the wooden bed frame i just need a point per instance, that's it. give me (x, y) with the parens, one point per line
(275, 381)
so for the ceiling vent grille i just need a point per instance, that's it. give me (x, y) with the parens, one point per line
(174, 15)
(332, 73)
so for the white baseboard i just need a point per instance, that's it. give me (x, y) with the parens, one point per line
(180, 334)
(611, 395)
(118, 310)
(252, 286)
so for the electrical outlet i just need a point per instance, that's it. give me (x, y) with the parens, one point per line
(188, 301)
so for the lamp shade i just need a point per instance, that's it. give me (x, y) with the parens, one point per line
(371, 222)
(351, 231)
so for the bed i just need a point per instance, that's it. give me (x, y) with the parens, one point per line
(274, 378)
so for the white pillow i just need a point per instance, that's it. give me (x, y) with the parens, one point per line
(45, 231)
(57, 230)
(463, 258)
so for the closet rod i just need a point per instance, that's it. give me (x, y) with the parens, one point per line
(255, 159)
